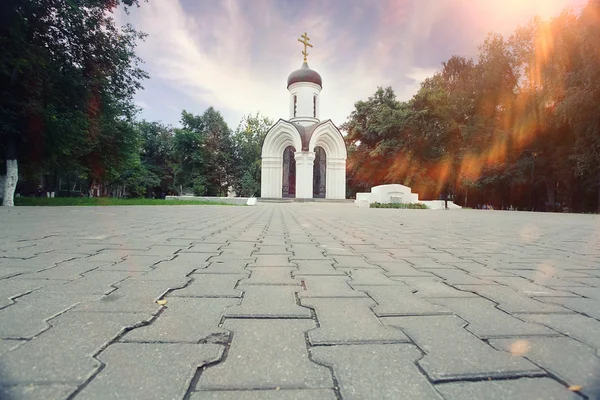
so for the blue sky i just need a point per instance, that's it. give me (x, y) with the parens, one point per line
(236, 54)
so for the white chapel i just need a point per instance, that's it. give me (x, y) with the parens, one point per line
(304, 157)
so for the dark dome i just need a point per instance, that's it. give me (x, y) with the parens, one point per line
(304, 74)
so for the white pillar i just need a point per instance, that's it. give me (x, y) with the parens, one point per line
(336, 178)
(304, 174)
(271, 177)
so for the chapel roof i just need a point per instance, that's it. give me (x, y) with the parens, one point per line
(305, 133)
(304, 74)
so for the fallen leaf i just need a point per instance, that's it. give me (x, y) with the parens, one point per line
(161, 302)
(575, 388)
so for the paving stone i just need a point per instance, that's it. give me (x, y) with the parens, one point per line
(134, 263)
(432, 287)
(132, 296)
(149, 370)
(545, 269)
(336, 250)
(446, 258)
(270, 276)
(352, 262)
(348, 321)
(459, 277)
(467, 357)
(540, 278)
(67, 270)
(364, 248)
(382, 256)
(50, 358)
(166, 272)
(268, 301)
(369, 276)
(399, 252)
(479, 270)
(400, 300)
(593, 282)
(184, 320)
(517, 389)
(401, 268)
(219, 266)
(262, 250)
(272, 261)
(200, 247)
(486, 321)
(211, 285)
(35, 392)
(275, 240)
(376, 371)
(25, 252)
(528, 288)
(588, 292)
(15, 287)
(474, 249)
(93, 282)
(276, 394)
(111, 256)
(191, 261)
(267, 354)
(27, 317)
(582, 328)
(327, 286)
(511, 301)
(8, 272)
(424, 262)
(569, 360)
(316, 267)
(10, 345)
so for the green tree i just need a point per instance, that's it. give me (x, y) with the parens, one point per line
(248, 140)
(67, 78)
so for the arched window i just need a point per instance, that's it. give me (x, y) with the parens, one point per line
(295, 102)
(315, 106)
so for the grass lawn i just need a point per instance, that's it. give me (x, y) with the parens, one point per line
(107, 201)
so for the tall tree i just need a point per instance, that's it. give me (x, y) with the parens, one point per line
(248, 140)
(67, 78)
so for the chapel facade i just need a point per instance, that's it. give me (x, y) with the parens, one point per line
(304, 157)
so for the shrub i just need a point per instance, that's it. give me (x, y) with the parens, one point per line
(412, 206)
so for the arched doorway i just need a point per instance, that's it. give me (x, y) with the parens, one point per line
(319, 173)
(288, 188)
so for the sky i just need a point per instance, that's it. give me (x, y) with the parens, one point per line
(235, 55)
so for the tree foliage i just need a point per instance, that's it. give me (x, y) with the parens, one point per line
(519, 126)
(68, 75)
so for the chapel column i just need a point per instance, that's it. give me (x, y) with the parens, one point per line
(304, 174)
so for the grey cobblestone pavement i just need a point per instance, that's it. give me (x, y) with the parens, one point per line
(298, 301)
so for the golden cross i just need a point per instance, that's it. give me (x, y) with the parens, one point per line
(304, 41)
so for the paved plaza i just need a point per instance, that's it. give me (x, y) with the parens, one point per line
(297, 301)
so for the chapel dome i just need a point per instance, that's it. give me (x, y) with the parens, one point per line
(304, 74)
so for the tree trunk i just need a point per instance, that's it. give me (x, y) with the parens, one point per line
(10, 182)
(550, 194)
(12, 175)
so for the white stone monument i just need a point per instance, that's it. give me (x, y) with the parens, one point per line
(304, 157)
(395, 193)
